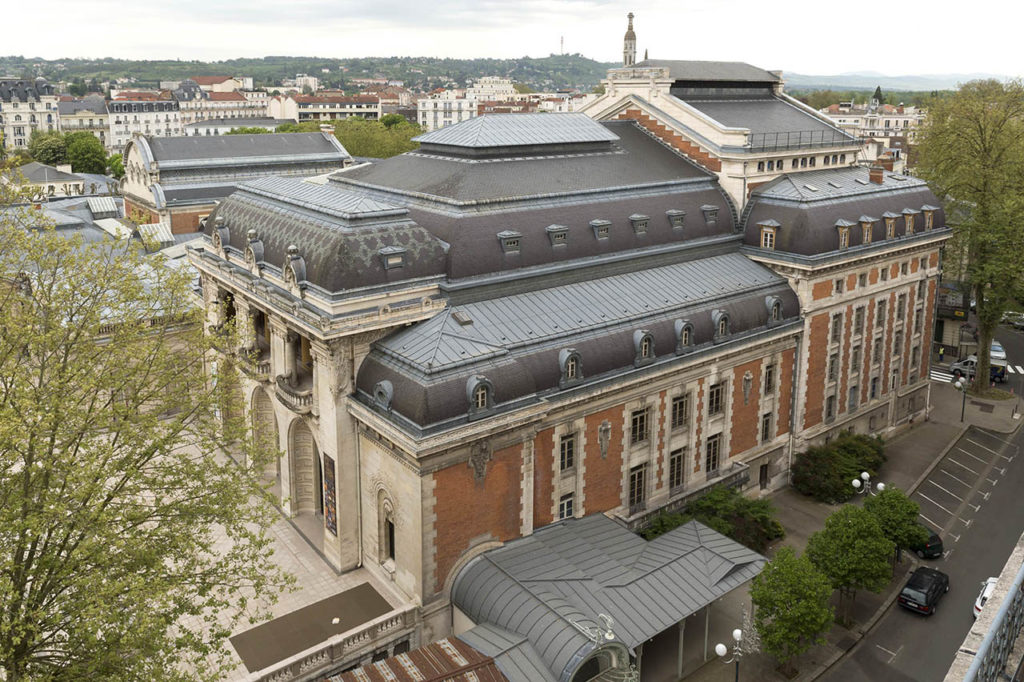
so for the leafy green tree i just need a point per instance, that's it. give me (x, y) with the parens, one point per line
(86, 153)
(971, 152)
(304, 127)
(853, 552)
(48, 148)
(389, 120)
(362, 137)
(791, 607)
(750, 522)
(878, 96)
(825, 472)
(897, 516)
(115, 495)
(116, 165)
(248, 130)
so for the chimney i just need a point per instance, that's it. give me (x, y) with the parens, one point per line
(876, 174)
(886, 161)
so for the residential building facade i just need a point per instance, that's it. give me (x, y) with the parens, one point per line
(301, 108)
(88, 114)
(26, 106)
(149, 116)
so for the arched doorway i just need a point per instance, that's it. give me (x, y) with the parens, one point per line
(305, 470)
(266, 436)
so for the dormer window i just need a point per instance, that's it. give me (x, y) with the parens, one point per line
(908, 216)
(558, 234)
(684, 335)
(639, 223)
(929, 216)
(710, 214)
(774, 306)
(768, 228)
(571, 365)
(676, 218)
(720, 320)
(843, 227)
(867, 226)
(510, 241)
(601, 228)
(392, 257)
(643, 342)
(890, 224)
(480, 393)
(383, 393)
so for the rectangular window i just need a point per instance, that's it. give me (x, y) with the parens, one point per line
(874, 388)
(715, 395)
(901, 306)
(830, 408)
(876, 352)
(763, 477)
(565, 506)
(766, 427)
(880, 314)
(858, 321)
(680, 410)
(769, 379)
(895, 379)
(676, 462)
(862, 280)
(567, 452)
(837, 327)
(637, 488)
(855, 358)
(638, 427)
(713, 451)
(833, 366)
(897, 345)
(884, 273)
(838, 287)
(921, 284)
(918, 318)
(767, 239)
(915, 356)
(854, 392)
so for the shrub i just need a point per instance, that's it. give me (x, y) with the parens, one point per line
(825, 472)
(750, 522)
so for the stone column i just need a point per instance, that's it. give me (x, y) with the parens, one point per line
(246, 333)
(526, 488)
(291, 345)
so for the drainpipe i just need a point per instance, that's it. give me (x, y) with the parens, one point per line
(797, 373)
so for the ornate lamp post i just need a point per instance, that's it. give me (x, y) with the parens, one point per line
(737, 651)
(961, 385)
(863, 484)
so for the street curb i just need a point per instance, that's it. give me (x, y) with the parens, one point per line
(935, 462)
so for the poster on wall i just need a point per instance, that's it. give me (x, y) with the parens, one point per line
(330, 505)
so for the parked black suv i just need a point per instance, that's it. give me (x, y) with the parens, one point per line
(923, 590)
(930, 548)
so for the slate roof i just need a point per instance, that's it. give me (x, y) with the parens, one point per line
(768, 115)
(512, 130)
(103, 207)
(515, 341)
(339, 235)
(200, 150)
(38, 173)
(809, 205)
(682, 70)
(574, 570)
(513, 654)
(22, 90)
(270, 123)
(93, 104)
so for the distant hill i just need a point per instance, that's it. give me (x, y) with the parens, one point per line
(422, 73)
(869, 80)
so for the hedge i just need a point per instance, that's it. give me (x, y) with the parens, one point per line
(826, 472)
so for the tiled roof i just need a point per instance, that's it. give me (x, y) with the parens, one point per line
(355, 99)
(209, 80)
(446, 660)
(514, 130)
(227, 97)
(37, 173)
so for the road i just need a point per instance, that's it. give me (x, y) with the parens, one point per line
(972, 496)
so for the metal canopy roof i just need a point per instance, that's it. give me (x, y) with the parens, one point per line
(689, 70)
(516, 130)
(573, 570)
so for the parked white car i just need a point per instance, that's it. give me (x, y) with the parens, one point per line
(997, 352)
(986, 591)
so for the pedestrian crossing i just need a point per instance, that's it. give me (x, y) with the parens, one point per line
(940, 376)
(1015, 369)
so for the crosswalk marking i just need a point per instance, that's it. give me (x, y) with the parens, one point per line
(1011, 370)
(939, 375)
(1020, 370)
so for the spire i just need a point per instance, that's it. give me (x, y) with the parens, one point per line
(645, 54)
(629, 44)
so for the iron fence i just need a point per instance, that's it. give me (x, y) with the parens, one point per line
(797, 139)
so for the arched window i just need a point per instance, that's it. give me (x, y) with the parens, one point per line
(571, 367)
(776, 311)
(480, 394)
(723, 325)
(684, 335)
(386, 549)
(643, 344)
(720, 319)
(480, 397)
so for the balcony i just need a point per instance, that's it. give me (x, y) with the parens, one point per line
(256, 363)
(298, 397)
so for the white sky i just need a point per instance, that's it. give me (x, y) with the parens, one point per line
(802, 36)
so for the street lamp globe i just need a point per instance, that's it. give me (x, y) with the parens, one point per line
(880, 487)
(865, 476)
(721, 649)
(737, 634)
(856, 483)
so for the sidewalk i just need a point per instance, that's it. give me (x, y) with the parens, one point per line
(911, 456)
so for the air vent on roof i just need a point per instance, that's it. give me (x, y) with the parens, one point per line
(832, 183)
(462, 318)
(811, 187)
(862, 181)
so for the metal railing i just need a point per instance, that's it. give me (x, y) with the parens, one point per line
(798, 139)
(990, 658)
(737, 476)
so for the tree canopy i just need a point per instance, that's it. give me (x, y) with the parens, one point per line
(115, 495)
(852, 551)
(791, 606)
(897, 517)
(48, 148)
(116, 166)
(375, 139)
(86, 153)
(971, 152)
(248, 130)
